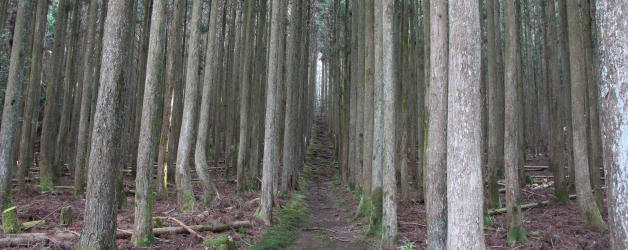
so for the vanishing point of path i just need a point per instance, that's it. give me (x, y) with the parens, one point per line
(329, 226)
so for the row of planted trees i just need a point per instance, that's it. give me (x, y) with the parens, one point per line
(162, 89)
(447, 97)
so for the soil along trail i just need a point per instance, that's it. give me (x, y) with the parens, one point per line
(329, 226)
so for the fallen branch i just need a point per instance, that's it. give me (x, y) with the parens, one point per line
(525, 206)
(319, 229)
(31, 238)
(191, 231)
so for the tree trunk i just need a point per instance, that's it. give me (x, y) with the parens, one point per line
(12, 101)
(566, 88)
(496, 109)
(512, 162)
(150, 128)
(557, 139)
(436, 152)
(613, 39)
(245, 89)
(49, 171)
(389, 203)
(86, 99)
(464, 130)
(586, 203)
(185, 194)
(175, 76)
(367, 149)
(105, 161)
(209, 83)
(271, 134)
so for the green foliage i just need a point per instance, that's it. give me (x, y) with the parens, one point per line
(289, 220)
(376, 212)
(10, 224)
(407, 245)
(220, 240)
(516, 234)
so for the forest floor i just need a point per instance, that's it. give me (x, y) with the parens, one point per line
(331, 205)
(330, 225)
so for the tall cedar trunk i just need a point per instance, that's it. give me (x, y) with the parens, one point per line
(86, 99)
(512, 131)
(586, 203)
(49, 171)
(245, 89)
(566, 87)
(99, 226)
(402, 112)
(420, 74)
(185, 194)
(613, 41)
(557, 140)
(273, 102)
(389, 203)
(359, 108)
(12, 101)
(150, 128)
(595, 138)
(464, 130)
(175, 75)
(369, 66)
(31, 116)
(378, 124)
(209, 83)
(496, 110)
(436, 150)
(352, 140)
(63, 138)
(291, 138)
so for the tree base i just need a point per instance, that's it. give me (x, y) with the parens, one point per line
(592, 218)
(516, 234)
(364, 208)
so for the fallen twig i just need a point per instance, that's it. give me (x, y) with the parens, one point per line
(190, 230)
(525, 206)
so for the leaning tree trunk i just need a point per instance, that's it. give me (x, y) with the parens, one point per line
(211, 65)
(185, 194)
(589, 211)
(436, 152)
(512, 125)
(613, 42)
(465, 228)
(12, 101)
(150, 128)
(105, 161)
(273, 102)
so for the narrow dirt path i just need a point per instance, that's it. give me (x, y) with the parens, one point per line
(329, 226)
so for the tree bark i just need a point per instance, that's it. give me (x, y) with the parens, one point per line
(613, 41)
(209, 83)
(464, 130)
(512, 162)
(185, 194)
(99, 226)
(271, 134)
(150, 128)
(245, 89)
(49, 171)
(436, 153)
(589, 211)
(12, 101)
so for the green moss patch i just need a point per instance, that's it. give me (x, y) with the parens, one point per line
(287, 223)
